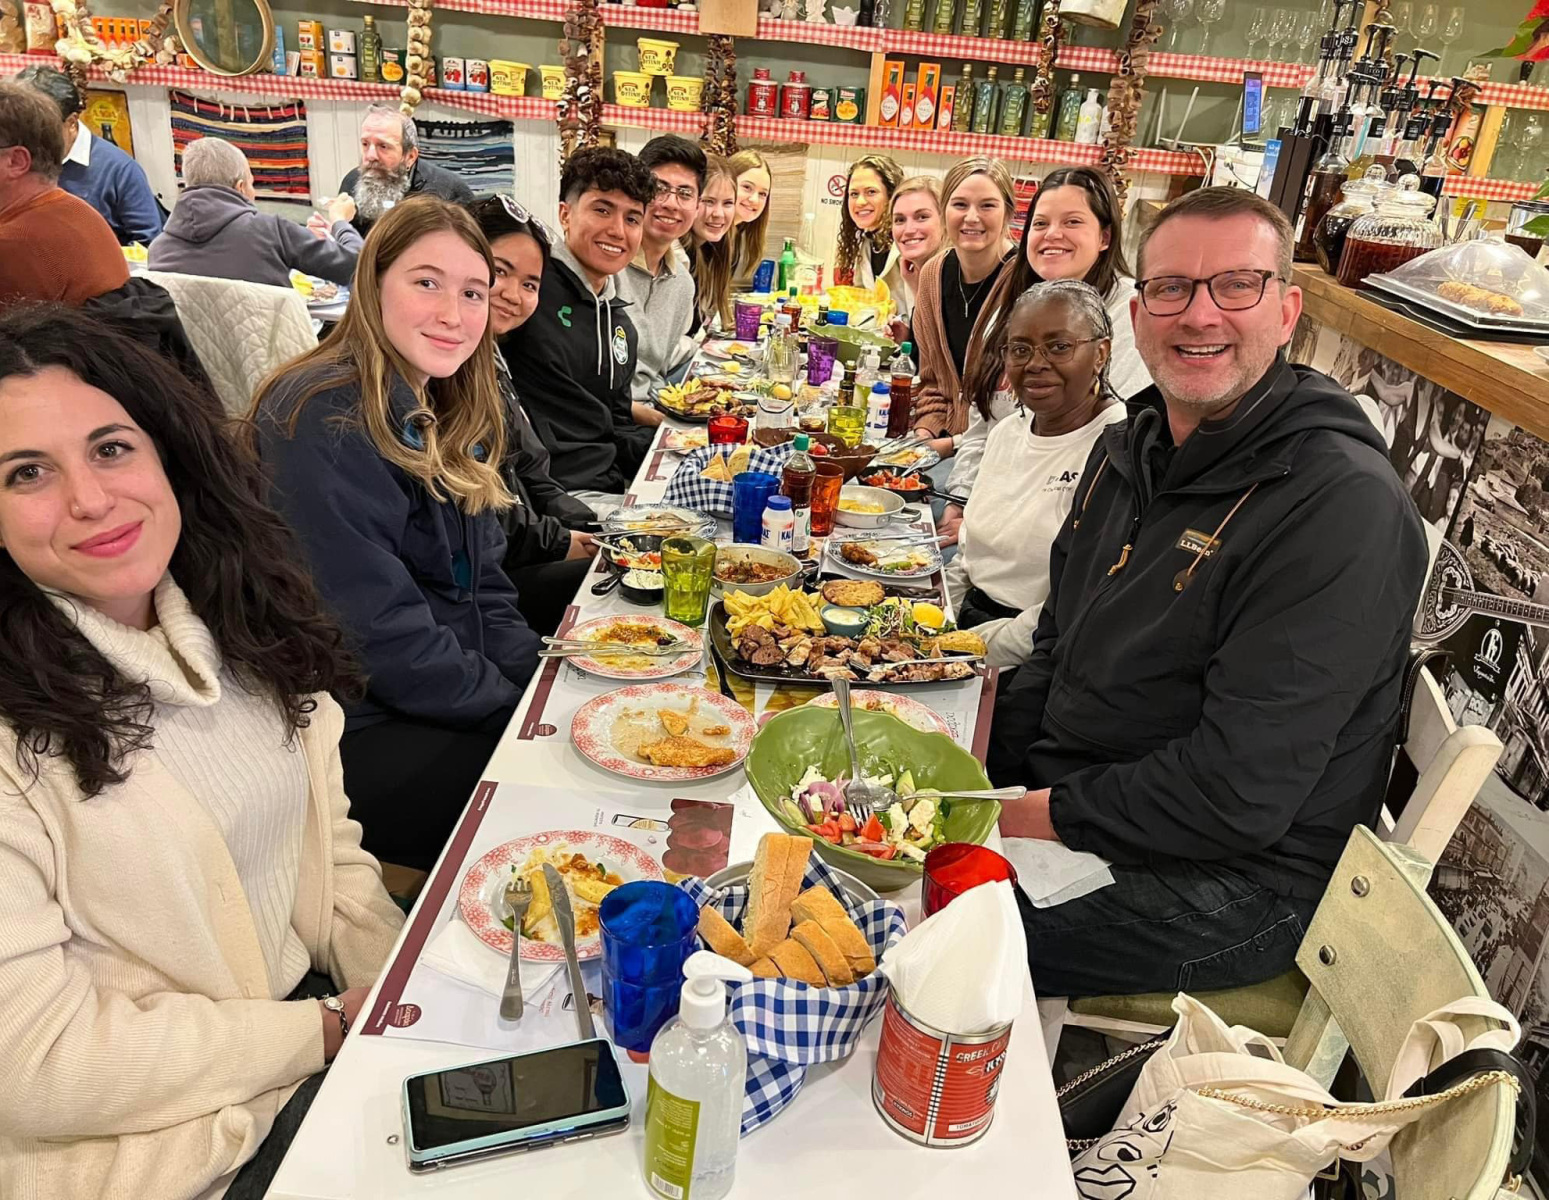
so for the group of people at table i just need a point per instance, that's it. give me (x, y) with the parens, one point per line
(242, 662)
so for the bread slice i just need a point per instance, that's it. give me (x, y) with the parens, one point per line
(764, 968)
(827, 955)
(722, 938)
(795, 963)
(818, 904)
(778, 867)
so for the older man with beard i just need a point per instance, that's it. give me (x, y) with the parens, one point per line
(389, 170)
(1216, 674)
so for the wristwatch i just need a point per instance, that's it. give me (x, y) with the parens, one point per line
(336, 1006)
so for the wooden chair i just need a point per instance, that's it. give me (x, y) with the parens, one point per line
(1449, 765)
(1379, 955)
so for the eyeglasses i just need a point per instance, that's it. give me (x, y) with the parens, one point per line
(514, 210)
(1057, 353)
(521, 216)
(1232, 291)
(688, 195)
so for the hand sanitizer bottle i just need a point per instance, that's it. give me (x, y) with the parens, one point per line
(693, 1108)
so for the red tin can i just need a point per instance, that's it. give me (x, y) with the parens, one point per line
(796, 96)
(763, 94)
(933, 1087)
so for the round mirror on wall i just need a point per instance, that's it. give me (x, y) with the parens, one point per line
(227, 37)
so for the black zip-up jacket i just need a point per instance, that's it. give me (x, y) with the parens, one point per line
(1237, 707)
(415, 582)
(538, 525)
(572, 361)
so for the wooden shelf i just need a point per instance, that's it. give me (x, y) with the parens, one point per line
(1504, 377)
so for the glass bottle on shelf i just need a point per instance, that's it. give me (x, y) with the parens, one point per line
(370, 51)
(1025, 21)
(945, 15)
(1070, 111)
(1399, 230)
(963, 112)
(999, 15)
(914, 15)
(1359, 198)
(1324, 185)
(987, 93)
(1530, 147)
(1089, 120)
(971, 11)
(1038, 123)
(1013, 105)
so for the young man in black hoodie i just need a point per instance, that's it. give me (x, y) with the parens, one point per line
(574, 357)
(1211, 699)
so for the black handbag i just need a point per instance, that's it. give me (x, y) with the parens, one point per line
(1092, 1101)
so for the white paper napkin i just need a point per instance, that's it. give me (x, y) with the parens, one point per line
(1051, 873)
(962, 970)
(457, 951)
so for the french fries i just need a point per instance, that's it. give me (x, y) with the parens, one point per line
(787, 607)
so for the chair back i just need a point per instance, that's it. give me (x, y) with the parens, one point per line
(1449, 765)
(1378, 955)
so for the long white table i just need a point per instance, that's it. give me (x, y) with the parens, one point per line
(830, 1143)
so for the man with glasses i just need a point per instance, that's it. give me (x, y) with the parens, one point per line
(1215, 679)
(657, 282)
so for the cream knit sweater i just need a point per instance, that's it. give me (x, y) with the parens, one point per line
(143, 1055)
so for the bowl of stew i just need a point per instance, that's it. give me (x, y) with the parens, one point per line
(756, 570)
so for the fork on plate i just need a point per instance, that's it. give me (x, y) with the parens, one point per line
(518, 896)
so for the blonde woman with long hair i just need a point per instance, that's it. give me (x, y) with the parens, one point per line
(709, 245)
(919, 231)
(865, 252)
(383, 448)
(754, 180)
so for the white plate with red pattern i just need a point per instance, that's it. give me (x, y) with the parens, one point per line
(910, 712)
(627, 630)
(611, 730)
(482, 897)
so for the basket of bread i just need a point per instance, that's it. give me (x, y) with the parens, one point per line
(807, 937)
(703, 479)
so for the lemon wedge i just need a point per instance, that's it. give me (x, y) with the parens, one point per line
(780, 392)
(929, 615)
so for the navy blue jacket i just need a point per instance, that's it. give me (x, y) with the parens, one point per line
(116, 186)
(416, 582)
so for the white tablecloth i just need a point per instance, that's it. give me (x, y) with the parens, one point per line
(830, 1143)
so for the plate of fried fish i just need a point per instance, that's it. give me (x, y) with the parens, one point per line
(665, 732)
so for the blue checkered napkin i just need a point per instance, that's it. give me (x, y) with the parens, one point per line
(789, 1025)
(710, 495)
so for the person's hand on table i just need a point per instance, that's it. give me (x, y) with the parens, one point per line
(333, 1038)
(951, 522)
(1028, 817)
(582, 545)
(645, 414)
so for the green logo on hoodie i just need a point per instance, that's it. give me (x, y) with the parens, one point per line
(564, 316)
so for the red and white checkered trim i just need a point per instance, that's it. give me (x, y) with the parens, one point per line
(1225, 70)
(661, 120)
(856, 37)
(948, 46)
(1508, 190)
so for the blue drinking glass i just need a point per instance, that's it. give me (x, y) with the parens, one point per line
(648, 931)
(750, 492)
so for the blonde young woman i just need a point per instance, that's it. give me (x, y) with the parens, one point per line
(383, 446)
(751, 170)
(919, 230)
(955, 286)
(709, 245)
(865, 252)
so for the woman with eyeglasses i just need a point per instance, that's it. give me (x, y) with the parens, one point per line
(547, 554)
(1056, 353)
(384, 447)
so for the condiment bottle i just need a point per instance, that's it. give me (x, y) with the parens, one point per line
(699, 1068)
(963, 111)
(901, 384)
(779, 523)
(1013, 105)
(1399, 230)
(1089, 120)
(1024, 20)
(1069, 119)
(370, 51)
(877, 406)
(796, 479)
(985, 102)
(945, 15)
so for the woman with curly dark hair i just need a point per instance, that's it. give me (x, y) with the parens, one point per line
(865, 252)
(178, 867)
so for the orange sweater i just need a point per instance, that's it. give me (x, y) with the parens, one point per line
(56, 247)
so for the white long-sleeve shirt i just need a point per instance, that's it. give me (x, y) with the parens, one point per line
(1026, 487)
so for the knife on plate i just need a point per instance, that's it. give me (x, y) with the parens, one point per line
(559, 896)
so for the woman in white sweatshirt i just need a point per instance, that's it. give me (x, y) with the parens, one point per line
(1057, 350)
(180, 882)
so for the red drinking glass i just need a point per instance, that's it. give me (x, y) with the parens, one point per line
(728, 429)
(951, 869)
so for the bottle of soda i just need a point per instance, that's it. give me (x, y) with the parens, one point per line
(796, 482)
(901, 380)
(786, 274)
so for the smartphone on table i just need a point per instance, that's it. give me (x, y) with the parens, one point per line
(512, 1104)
